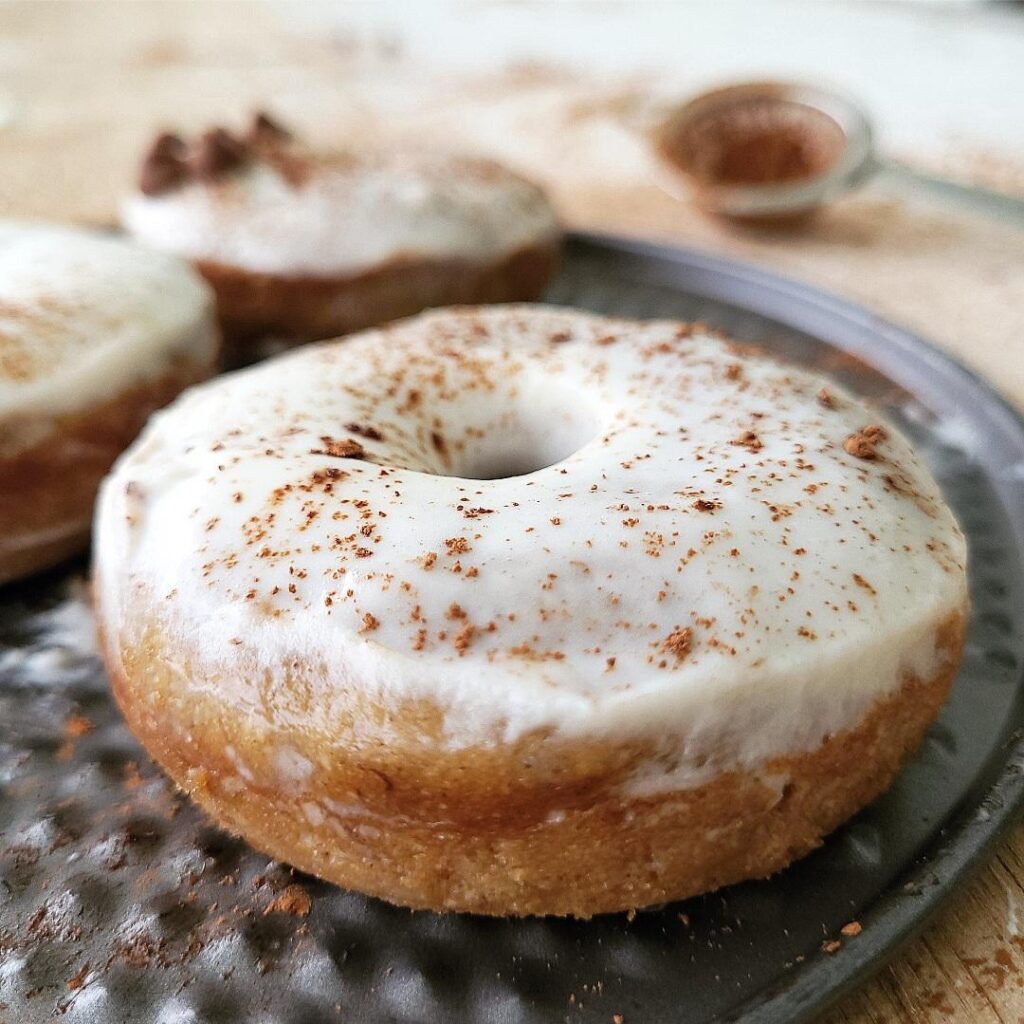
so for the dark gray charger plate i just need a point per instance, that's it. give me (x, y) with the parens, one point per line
(119, 902)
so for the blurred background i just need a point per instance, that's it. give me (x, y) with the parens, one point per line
(568, 93)
(563, 91)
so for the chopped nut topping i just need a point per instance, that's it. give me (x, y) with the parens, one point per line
(216, 154)
(164, 167)
(171, 163)
(265, 129)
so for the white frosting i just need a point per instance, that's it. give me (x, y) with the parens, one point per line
(812, 581)
(348, 214)
(84, 316)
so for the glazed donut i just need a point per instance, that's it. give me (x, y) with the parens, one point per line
(526, 611)
(302, 245)
(95, 333)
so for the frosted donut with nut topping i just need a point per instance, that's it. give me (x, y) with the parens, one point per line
(301, 243)
(524, 610)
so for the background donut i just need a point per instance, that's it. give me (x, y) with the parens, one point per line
(301, 245)
(95, 333)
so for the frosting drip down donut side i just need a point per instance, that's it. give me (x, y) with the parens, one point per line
(534, 522)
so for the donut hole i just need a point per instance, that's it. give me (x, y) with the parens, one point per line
(520, 451)
(525, 433)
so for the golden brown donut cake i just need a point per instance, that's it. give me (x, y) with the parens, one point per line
(301, 244)
(95, 334)
(528, 611)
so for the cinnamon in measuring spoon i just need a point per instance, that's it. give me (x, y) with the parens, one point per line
(757, 142)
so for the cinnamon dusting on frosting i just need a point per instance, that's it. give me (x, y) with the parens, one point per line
(370, 433)
(864, 443)
(678, 643)
(464, 637)
(343, 449)
(749, 440)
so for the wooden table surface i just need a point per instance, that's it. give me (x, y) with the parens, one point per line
(83, 87)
